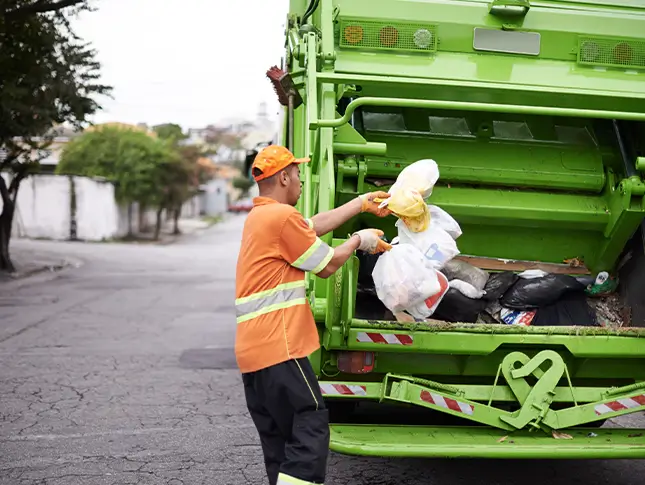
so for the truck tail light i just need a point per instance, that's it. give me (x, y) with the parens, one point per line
(422, 38)
(389, 36)
(353, 34)
(356, 362)
(623, 53)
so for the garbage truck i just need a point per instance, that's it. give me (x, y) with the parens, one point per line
(534, 112)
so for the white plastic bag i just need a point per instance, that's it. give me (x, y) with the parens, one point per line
(436, 245)
(444, 220)
(531, 274)
(402, 278)
(426, 308)
(467, 289)
(420, 175)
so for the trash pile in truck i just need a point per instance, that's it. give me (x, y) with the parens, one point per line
(420, 277)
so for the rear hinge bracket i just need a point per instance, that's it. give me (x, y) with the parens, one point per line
(362, 171)
(386, 388)
(535, 401)
(509, 8)
(614, 391)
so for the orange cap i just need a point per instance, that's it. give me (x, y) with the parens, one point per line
(272, 159)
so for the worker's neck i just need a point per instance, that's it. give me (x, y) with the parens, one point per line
(275, 195)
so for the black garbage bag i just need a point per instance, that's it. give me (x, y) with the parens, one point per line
(498, 284)
(570, 310)
(366, 263)
(455, 307)
(533, 293)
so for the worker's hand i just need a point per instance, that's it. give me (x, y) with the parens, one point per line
(371, 241)
(371, 202)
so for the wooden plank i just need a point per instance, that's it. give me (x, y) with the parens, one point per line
(493, 264)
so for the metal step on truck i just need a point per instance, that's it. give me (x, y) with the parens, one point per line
(534, 112)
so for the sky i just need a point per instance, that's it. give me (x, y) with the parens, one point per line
(191, 62)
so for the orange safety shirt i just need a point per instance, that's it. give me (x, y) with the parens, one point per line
(274, 319)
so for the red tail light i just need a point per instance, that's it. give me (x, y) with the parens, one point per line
(356, 362)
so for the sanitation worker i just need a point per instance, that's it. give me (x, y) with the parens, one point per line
(276, 331)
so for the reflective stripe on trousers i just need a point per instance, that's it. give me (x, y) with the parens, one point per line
(282, 296)
(287, 480)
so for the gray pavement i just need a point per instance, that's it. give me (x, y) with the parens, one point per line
(122, 371)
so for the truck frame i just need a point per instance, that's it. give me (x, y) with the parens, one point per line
(534, 112)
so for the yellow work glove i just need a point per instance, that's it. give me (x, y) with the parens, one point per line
(371, 241)
(371, 201)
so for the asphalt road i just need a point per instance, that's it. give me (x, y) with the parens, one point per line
(122, 372)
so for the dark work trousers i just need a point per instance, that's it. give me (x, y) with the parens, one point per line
(291, 418)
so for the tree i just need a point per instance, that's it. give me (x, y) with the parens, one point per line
(243, 184)
(183, 174)
(48, 77)
(170, 131)
(131, 159)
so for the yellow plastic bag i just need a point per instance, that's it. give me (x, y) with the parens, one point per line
(409, 206)
(412, 186)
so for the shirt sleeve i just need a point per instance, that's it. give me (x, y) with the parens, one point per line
(300, 246)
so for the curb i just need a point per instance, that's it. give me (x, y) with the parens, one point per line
(40, 275)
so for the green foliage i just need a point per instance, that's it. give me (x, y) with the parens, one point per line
(153, 171)
(243, 183)
(170, 131)
(48, 76)
(133, 160)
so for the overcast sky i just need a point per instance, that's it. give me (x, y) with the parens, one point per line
(191, 62)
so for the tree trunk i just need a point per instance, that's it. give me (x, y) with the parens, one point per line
(143, 220)
(130, 231)
(158, 223)
(6, 221)
(175, 215)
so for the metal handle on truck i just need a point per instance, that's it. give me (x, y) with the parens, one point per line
(471, 106)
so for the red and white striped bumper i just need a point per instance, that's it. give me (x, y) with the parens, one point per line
(448, 403)
(384, 338)
(633, 402)
(342, 390)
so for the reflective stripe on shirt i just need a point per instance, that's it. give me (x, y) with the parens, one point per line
(282, 296)
(315, 258)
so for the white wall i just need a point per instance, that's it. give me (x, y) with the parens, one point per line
(43, 209)
(214, 198)
(97, 215)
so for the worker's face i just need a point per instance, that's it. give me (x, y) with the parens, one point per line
(294, 186)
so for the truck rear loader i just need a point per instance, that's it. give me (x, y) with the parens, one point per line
(534, 112)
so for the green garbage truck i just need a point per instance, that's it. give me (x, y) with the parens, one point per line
(535, 114)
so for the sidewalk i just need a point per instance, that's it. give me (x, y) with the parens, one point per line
(35, 257)
(29, 263)
(187, 227)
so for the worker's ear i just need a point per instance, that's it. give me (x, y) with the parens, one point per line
(283, 178)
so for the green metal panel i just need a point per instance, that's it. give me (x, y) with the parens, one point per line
(482, 442)
(530, 167)
(486, 338)
(497, 163)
